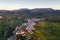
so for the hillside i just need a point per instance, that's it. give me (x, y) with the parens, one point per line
(48, 29)
(48, 13)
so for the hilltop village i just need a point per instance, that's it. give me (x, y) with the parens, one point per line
(19, 32)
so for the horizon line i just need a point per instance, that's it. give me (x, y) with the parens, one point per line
(29, 8)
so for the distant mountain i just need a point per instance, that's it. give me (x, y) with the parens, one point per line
(47, 13)
(36, 10)
(43, 10)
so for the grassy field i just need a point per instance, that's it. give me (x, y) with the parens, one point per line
(47, 30)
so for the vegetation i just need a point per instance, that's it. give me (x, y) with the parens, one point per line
(48, 30)
(44, 30)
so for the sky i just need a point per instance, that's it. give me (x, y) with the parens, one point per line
(30, 4)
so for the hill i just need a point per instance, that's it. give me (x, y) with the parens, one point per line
(48, 13)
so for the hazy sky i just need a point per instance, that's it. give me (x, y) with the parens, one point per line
(16, 4)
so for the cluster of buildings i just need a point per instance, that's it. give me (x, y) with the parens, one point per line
(19, 34)
(1, 17)
(29, 26)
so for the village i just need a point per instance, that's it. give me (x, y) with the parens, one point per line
(19, 31)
